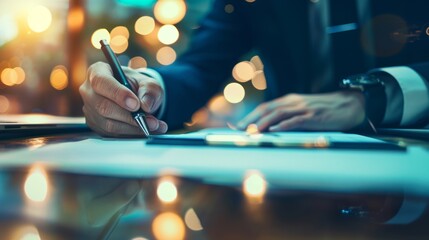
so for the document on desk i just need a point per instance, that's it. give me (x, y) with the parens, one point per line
(292, 139)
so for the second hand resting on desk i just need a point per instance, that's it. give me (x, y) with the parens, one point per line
(119, 74)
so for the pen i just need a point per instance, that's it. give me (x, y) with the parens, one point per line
(138, 115)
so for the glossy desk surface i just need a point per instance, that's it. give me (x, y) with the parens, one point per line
(53, 188)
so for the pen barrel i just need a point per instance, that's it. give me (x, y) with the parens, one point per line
(113, 61)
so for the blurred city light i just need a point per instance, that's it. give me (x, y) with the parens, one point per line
(168, 34)
(192, 221)
(119, 44)
(254, 185)
(259, 81)
(166, 55)
(168, 226)
(243, 71)
(98, 35)
(166, 191)
(137, 62)
(36, 185)
(144, 25)
(39, 18)
(59, 77)
(234, 93)
(220, 105)
(169, 11)
(76, 19)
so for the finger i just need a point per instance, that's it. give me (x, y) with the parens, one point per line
(276, 116)
(150, 94)
(163, 127)
(109, 127)
(106, 108)
(296, 122)
(103, 83)
(261, 111)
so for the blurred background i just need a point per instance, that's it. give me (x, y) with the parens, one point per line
(46, 47)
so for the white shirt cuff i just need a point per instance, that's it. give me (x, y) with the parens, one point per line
(155, 75)
(415, 95)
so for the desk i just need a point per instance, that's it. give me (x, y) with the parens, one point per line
(51, 189)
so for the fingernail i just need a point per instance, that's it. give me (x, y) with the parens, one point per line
(148, 101)
(131, 103)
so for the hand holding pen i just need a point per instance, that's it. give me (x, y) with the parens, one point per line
(109, 104)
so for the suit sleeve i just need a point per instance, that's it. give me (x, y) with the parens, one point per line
(407, 94)
(199, 73)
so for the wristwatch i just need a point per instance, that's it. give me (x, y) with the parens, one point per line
(372, 87)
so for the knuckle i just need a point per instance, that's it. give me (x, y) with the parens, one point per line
(110, 126)
(96, 81)
(103, 108)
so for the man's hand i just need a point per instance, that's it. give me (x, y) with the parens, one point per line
(331, 111)
(107, 104)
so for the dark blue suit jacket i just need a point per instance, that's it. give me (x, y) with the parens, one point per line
(278, 31)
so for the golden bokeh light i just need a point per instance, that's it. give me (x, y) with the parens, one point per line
(59, 77)
(252, 129)
(168, 226)
(120, 31)
(257, 62)
(25, 232)
(192, 221)
(36, 185)
(9, 77)
(169, 11)
(220, 105)
(144, 25)
(20, 75)
(168, 34)
(254, 185)
(139, 238)
(119, 44)
(234, 93)
(166, 191)
(166, 55)
(137, 62)
(39, 18)
(76, 19)
(98, 35)
(243, 71)
(4, 104)
(258, 81)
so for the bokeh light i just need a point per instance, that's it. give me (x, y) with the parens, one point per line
(137, 62)
(259, 81)
(219, 105)
(257, 63)
(192, 221)
(168, 34)
(229, 8)
(168, 226)
(120, 31)
(4, 104)
(59, 77)
(234, 93)
(166, 191)
(243, 71)
(144, 25)
(98, 35)
(166, 55)
(9, 77)
(76, 19)
(36, 185)
(119, 44)
(39, 18)
(169, 11)
(254, 185)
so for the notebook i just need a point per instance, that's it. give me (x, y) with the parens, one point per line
(12, 125)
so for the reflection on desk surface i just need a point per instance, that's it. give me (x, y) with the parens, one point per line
(38, 204)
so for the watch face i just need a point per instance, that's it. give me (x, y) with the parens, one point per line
(361, 81)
